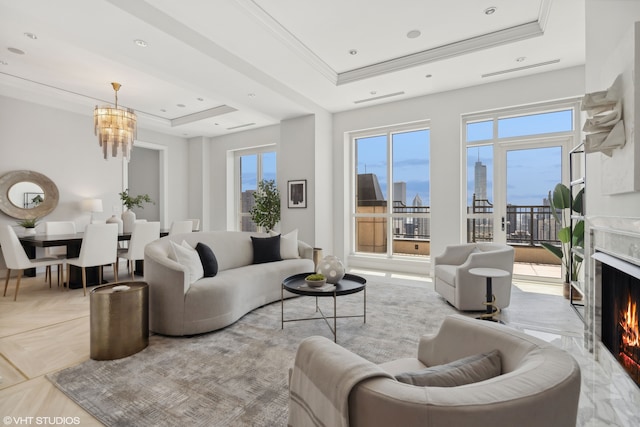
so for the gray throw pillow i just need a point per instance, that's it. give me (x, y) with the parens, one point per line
(471, 369)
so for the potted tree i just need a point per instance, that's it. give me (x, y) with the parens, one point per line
(562, 207)
(128, 216)
(29, 225)
(266, 211)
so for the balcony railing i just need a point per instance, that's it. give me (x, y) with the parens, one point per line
(524, 225)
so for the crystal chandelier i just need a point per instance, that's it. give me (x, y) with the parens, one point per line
(115, 127)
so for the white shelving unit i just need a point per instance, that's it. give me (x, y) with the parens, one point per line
(577, 166)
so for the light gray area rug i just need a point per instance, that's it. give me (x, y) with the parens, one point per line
(238, 376)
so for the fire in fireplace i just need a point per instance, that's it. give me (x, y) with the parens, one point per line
(620, 328)
(630, 347)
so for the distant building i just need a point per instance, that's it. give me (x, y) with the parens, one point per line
(480, 180)
(400, 192)
(247, 202)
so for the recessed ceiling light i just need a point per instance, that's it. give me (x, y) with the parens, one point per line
(141, 43)
(15, 50)
(353, 52)
(429, 76)
(520, 59)
(31, 36)
(251, 95)
(3, 62)
(200, 99)
(373, 92)
(413, 34)
(490, 10)
(181, 105)
(163, 110)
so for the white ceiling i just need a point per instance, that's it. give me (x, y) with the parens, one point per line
(249, 63)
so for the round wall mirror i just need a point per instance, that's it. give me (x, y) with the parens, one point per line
(27, 194)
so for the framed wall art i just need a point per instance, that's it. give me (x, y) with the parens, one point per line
(297, 193)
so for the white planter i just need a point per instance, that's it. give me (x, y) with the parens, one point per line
(128, 220)
(115, 220)
(29, 231)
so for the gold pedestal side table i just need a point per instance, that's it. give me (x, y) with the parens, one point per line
(490, 302)
(119, 317)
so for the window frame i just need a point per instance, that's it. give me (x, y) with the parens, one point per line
(388, 132)
(503, 144)
(238, 154)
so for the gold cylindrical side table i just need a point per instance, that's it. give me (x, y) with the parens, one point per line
(119, 320)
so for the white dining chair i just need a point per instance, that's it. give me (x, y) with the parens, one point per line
(178, 227)
(99, 247)
(16, 258)
(143, 233)
(52, 228)
(196, 224)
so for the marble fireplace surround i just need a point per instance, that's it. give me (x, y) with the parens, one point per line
(617, 237)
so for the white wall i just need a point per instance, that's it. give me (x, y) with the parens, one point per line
(609, 28)
(144, 178)
(62, 146)
(444, 110)
(199, 188)
(296, 161)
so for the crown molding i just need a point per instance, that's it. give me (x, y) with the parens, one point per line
(291, 41)
(438, 53)
(202, 115)
(475, 44)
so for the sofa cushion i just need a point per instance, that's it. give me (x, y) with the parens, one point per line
(471, 369)
(186, 256)
(266, 249)
(288, 244)
(208, 259)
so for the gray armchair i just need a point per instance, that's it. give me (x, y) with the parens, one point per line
(539, 384)
(465, 291)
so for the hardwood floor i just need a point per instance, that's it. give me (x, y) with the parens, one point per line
(44, 331)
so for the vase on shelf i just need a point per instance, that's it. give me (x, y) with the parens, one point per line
(115, 220)
(128, 220)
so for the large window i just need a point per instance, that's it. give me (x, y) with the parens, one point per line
(391, 192)
(252, 167)
(514, 158)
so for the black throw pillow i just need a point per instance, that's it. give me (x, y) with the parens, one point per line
(266, 249)
(208, 259)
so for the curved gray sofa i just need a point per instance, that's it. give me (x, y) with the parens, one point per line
(177, 307)
(539, 384)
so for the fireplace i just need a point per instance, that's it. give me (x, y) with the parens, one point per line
(612, 299)
(620, 332)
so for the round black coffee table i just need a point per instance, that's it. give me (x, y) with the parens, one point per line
(349, 284)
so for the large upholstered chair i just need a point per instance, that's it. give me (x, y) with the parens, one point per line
(462, 289)
(539, 383)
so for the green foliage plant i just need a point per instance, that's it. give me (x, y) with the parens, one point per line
(136, 201)
(266, 211)
(28, 223)
(562, 207)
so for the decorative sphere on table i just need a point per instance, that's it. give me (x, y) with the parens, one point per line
(332, 268)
